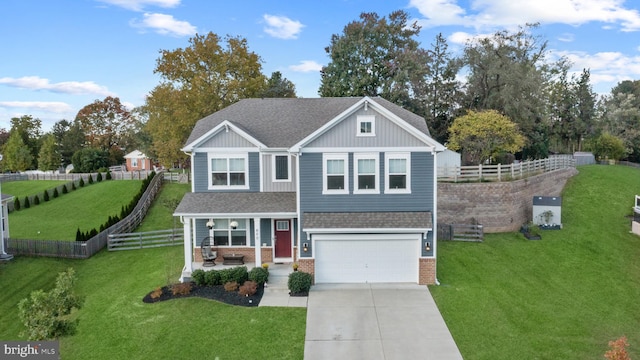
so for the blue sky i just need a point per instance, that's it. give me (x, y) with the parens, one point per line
(61, 55)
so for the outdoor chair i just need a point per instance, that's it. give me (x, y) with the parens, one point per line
(208, 254)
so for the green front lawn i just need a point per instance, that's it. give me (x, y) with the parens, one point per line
(85, 208)
(160, 215)
(563, 297)
(116, 324)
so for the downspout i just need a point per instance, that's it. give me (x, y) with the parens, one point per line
(435, 213)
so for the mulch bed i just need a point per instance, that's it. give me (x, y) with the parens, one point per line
(217, 293)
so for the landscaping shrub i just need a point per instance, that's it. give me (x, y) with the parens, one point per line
(16, 204)
(99, 177)
(156, 293)
(225, 275)
(259, 274)
(36, 200)
(198, 277)
(90, 179)
(26, 202)
(46, 195)
(64, 189)
(55, 192)
(181, 288)
(231, 286)
(108, 175)
(212, 278)
(248, 288)
(78, 235)
(299, 282)
(618, 350)
(73, 186)
(239, 274)
(81, 182)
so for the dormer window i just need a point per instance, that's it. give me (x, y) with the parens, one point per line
(366, 125)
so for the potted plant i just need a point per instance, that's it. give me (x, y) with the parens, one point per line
(295, 266)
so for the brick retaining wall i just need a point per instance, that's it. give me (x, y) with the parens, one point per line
(498, 206)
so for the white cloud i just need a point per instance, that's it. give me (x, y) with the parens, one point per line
(138, 5)
(282, 27)
(65, 87)
(48, 106)
(506, 13)
(306, 66)
(606, 68)
(165, 25)
(566, 37)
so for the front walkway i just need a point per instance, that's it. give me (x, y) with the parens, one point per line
(376, 321)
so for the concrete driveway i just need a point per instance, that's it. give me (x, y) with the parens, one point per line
(375, 321)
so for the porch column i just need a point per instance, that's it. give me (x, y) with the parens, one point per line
(188, 248)
(258, 241)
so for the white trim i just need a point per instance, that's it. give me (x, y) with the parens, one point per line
(434, 213)
(397, 155)
(364, 119)
(367, 149)
(356, 173)
(368, 232)
(230, 150)
(283, 215)
(261, 171)
(225, 125)
(335, 156)
(227, 156)
(273, 167)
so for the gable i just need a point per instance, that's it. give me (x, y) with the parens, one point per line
(345, 133)
(226, 139)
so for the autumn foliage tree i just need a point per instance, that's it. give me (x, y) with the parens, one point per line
(484, 134)
(208, 75)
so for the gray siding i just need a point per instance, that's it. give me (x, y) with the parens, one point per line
(224, 139)
(267, 170)
(388, 134)
(265, 231)
(201, 173)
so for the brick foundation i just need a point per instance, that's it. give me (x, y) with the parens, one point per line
(308, 266)
(427, 271)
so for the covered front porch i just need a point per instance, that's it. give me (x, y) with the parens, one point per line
(255, 228)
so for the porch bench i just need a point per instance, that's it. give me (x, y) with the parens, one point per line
(233, 259)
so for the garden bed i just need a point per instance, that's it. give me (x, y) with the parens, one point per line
(216, 292)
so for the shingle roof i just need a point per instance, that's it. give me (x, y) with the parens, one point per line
(282, 122)
(237, 203)
(372, 220)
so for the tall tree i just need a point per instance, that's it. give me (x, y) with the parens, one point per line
(69, 139)
(197, 81)
(48, 158)
(509, 72)
(375, 57)
(279, 87)
(30, 130)
(622, 119)
(441, 93)
(16, 154)
(586, 100)
(105, 123)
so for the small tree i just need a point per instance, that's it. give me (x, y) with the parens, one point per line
(81, 182)
(36, 200)
(46, 195)
(55, 192)
(99, 177)
(45, 314)
(484, 134)
(90, 179)
(16, 204)
(64, 189)
(108, 175)
(26, 202)
(608, 146)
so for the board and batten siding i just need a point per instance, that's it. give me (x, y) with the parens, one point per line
(387, 134)
(278, 186)
(201, 172)
(228, 139)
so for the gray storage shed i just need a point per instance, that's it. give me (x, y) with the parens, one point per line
(547, 210)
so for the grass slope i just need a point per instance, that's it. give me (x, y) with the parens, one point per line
(160, 215)
(563, 297)
(20, 189)
(115, 324)
(85, 208)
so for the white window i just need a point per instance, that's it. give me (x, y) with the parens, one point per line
(230, 232)
(366, 178)
(281, 168)
(397, 173)
(228, 171)
(134, 162)
(282, 225)
(335, 174)
(366, 125)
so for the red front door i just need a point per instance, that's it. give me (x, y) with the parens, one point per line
(283, 238)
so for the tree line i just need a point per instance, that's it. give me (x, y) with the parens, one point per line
(510, 98)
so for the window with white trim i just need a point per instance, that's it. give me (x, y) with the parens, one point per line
(230, 232)
(335, 174)
(228, 171)
(366, 125)
(134, 162)
(397, 173)
(366, 178)
(281, 168)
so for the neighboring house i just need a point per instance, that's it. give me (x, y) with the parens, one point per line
(345, 187)
(448, 163)
(136, 160)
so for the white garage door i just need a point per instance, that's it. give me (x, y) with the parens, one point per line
(366, 258)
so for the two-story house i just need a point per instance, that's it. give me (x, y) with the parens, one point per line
(346, 187)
